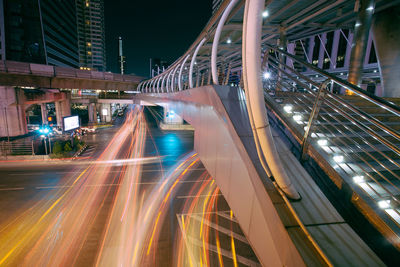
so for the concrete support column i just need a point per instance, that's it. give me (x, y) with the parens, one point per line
(98, 109)
(335, 48)
(43, 110)
(387, 43)
(321, 55)
(66, 105)
(360, 41)
(92, 113)
(12, 113)
(59, 115)
(63, 109)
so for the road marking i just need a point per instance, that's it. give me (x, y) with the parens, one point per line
(28, 173)
(73, 172)
(99, 185)
(12, 189)
(53, 187)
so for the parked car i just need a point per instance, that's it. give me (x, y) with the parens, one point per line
(87, 130)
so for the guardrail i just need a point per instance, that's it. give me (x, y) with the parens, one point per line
(14, 67)
(16, 148)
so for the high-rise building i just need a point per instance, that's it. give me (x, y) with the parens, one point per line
(60, 36)
(39, 31)
(2, 37)
(91, 34)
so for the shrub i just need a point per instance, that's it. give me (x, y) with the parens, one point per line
(57, 147)
(67, 147)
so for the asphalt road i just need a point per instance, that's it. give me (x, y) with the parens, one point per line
(64, 213)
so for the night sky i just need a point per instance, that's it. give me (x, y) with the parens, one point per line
(152, 29)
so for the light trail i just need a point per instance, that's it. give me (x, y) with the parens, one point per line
(128, 242)
(49, 232)
(55, 230)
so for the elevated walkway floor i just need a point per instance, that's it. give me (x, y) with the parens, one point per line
(337, 240)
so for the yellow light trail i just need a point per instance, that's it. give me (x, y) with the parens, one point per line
(32, 229)
(233, 243)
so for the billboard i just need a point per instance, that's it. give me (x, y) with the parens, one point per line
(71, 123)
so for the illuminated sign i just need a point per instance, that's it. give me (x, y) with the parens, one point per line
(71, 123)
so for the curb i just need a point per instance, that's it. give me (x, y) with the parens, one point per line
(78, 153)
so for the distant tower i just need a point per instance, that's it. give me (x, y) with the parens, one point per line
(121, 57)
(91, 33)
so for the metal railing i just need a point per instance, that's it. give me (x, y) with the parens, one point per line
(17, 148)
(15, 67)
(352, 133)
(357, 133)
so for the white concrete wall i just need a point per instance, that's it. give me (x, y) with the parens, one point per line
(226, 159)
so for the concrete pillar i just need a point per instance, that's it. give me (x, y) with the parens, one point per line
(92, 113)
(335, 48)
(66, 105)
(63, 109)
(59, 115)
(321, 54)
(12, 113)
(348, 50)
(360, 41)
(386, 32)
(43, 110)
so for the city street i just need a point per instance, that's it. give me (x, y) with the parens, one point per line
(137, 196)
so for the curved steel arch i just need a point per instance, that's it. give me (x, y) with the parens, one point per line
(193, 61)
(181, 71)
(217, 35)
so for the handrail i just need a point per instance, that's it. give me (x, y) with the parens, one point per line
(362, 93)
(351, 134)
(355, 109)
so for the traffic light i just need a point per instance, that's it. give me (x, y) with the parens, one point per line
(49, 118)
(44, 130)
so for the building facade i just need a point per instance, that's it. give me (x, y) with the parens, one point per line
(60, 36)
(42, 32)
(91, 34)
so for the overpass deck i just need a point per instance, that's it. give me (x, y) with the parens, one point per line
(211, 113)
